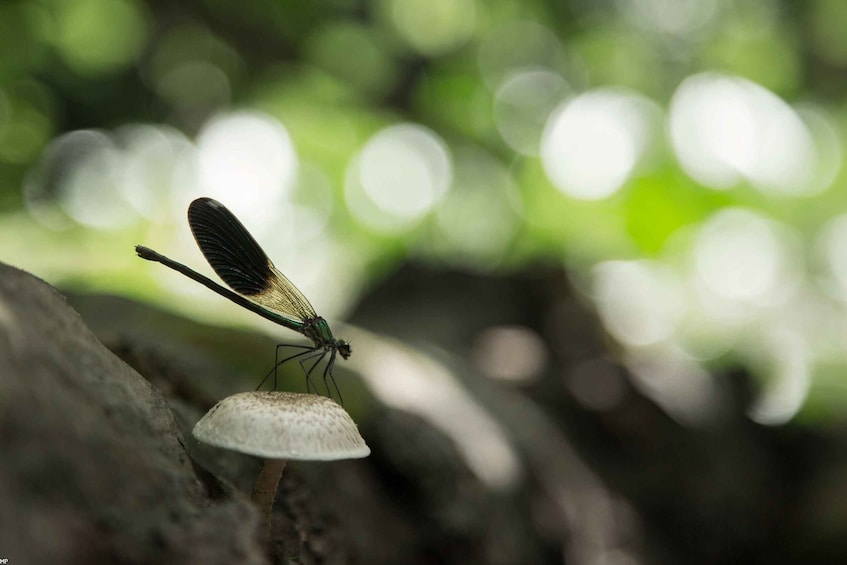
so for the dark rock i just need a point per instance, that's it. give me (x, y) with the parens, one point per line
(94, 468)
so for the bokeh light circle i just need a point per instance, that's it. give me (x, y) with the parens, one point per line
(402, 172)
(248, 161)
(97, 36)
(640, 302)
(592, 144)
(725, 129)
(523, 104)
(740, 256)
(433, 27)
(519, 46)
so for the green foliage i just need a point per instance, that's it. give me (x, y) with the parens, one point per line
(330, 77)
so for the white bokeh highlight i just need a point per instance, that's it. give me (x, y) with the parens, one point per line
(592, 144)
(247, 161)
(680, 385)
(399, 176)
(640, 302)
(740, 256)
(725, 130)
(789, 366)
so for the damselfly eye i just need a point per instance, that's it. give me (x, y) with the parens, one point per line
(344, 349)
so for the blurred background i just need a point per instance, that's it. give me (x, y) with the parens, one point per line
(675, 168)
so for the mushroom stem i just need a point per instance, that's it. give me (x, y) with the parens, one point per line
(266, 485)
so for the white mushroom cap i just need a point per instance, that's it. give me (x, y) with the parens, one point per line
(282, 425)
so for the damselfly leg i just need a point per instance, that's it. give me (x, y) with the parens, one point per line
(318, 354)
(278, 363)
(307, 354)
(328, 374)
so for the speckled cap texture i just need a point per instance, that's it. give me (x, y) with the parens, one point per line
(282, 425)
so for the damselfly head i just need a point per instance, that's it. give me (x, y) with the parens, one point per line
(343, 348)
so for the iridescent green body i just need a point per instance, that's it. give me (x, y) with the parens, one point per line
(318, 331)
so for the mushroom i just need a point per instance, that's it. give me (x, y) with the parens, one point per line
(280, 426)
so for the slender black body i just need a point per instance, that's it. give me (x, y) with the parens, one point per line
(259, 286)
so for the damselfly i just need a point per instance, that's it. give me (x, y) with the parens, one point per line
(259, 286)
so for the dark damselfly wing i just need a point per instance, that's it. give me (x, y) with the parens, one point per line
(237, 259)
